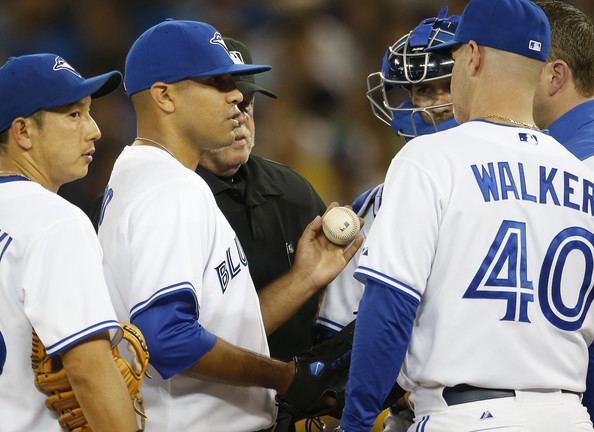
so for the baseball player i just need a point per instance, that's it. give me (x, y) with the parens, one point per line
(478, 268)
(174, 264)
(51, 278)
(425, 77)
(564, 101)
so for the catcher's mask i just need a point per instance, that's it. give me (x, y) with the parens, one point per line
(406, 64)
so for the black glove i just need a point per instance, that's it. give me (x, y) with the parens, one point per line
(320, 378)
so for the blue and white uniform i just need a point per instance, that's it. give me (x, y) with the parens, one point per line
(51, 280)
(176, 269)
(478, 271)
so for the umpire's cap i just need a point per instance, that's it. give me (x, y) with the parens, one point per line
(175, 50)
(516, 26)
(34, 82)
(245, 83)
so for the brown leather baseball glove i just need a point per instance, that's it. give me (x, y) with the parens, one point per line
(51, 379)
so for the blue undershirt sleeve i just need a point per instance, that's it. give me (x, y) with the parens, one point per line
(382, 334)
(588, 399)
(175, 339)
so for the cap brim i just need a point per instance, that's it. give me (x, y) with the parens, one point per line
(95, 87)
(444, 47)
(236, 69)
(247, 87)
(104, 84)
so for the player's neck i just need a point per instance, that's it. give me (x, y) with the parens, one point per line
(28, 170)
(170, 143)
(503, 114)
(512, 101)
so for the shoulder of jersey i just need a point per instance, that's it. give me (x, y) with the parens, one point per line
(155, 169)
(49, 206)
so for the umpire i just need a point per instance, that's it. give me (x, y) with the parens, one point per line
(268, 205)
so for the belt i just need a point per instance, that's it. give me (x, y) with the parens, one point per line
(464, 393)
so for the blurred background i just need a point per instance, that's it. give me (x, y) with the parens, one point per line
(321, 52)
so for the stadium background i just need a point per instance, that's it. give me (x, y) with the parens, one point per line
(321, 52)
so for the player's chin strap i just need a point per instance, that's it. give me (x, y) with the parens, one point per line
(408, 122)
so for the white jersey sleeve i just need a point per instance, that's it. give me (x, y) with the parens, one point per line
(407, 225)
(167, 250)
(66, 298)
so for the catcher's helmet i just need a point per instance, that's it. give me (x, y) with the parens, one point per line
(405, 64)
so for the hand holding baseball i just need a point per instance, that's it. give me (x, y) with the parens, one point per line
(341, 225)
(318, 258)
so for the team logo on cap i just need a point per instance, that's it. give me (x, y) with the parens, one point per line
(534, 45)
(217, 39)
(62, 64)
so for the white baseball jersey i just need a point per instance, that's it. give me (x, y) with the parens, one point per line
(51, 279)
(162, 232)
(342, 296)
(491, 228)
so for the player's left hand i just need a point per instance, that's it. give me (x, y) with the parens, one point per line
(317, 258)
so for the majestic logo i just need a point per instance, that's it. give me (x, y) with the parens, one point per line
(528, 138)
(236, 57)
(486, 415)
(534, 45)
(62, 64)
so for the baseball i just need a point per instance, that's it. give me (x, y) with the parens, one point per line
(341, 225)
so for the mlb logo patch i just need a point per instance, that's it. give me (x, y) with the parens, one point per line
(528, 138)
(535, 45)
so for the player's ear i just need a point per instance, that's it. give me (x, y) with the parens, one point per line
(162, 96)
(559, 74)
(475, 58)
(21, 131)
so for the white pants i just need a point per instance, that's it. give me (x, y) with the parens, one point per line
(528, 411)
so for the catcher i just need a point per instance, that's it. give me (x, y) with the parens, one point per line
(51, 277)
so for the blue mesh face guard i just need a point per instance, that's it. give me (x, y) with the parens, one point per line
(405, 64)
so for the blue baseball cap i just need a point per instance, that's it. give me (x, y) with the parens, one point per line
(34, 82)
(175, 50)
(516, 26)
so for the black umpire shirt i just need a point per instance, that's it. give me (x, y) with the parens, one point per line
(269, 205)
